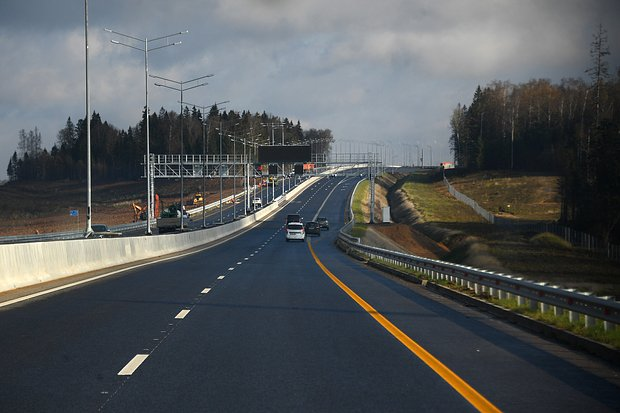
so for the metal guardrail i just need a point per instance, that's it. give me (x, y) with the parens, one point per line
(66, 235)
(541, 296)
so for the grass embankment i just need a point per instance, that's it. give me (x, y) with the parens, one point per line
(433, 202)
(360, 209)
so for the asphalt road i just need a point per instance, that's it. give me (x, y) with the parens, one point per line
(258, 324)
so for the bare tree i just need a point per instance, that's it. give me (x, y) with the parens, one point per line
(599, 72)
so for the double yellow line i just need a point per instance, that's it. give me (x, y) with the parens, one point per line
(458, 384)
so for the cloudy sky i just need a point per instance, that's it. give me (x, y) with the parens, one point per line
(386, 71)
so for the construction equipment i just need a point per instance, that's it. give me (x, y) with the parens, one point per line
(140, 211)
(198, 199)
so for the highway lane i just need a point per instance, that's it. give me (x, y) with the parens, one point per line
(269, 330)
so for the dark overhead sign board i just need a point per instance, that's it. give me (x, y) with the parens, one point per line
(277, 153)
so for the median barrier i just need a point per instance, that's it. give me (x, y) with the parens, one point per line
(27, 264)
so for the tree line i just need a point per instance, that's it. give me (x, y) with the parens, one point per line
(571, 129)
(119, 154)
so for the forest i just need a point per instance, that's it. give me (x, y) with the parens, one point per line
(119, 154)
(571, 129)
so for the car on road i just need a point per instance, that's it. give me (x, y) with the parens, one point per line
(295, 231)
(293, 218)
(102, 231)
(312, 228)
(323, 222)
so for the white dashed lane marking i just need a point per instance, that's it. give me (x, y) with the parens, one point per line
(133, 365)
(205, 291)
(182, 314)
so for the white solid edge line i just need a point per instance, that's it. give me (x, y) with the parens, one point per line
(133, 365)
(182, 314)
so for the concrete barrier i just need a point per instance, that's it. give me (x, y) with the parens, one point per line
(26, 264)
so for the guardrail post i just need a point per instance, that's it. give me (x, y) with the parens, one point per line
(543, 306)
(608, 325)
(573, 317)
(520, 301)
(533, 305)
(558, 311)
(590, 321)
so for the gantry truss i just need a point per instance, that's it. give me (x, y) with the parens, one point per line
(197, 166)
(232, 166)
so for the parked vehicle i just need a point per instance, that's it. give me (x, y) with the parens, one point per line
(295, 231)
(323, 222)
(257, 203)
(312, 228)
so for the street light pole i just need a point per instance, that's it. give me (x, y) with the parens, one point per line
(89, 228)
(149, 178)
(181, 89)
(219, 172)
(431, 152)
(221, 130)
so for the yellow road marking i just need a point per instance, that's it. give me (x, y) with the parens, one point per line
(458, 384)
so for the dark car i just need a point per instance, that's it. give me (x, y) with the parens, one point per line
(313, 228)
(323, 222)
(293, 218)
(102, 231)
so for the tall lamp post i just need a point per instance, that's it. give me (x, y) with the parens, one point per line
(89, 228)
(221, 130)
(180, 88)
(430, 148)
(145, 48)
